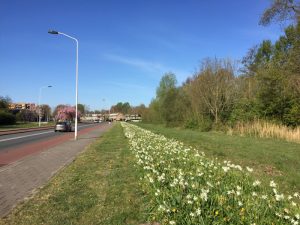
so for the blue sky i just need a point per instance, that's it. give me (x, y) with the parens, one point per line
(125, 46)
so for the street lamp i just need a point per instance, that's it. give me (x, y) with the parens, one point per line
(76, 113)
(40, 96)
(108, 108)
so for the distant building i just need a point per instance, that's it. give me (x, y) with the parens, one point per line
(133, 118)
(96, 117)
(22, 105)
(116, 117)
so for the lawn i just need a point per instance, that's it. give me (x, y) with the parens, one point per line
(25, 125)
(271, 159)
(99, 187)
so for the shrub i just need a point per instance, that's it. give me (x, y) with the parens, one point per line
(7, 118)
(205, 124)
(191, 123)
(202, 124)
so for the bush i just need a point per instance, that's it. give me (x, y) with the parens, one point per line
(7, 118)
(191, 123)
(202, 124)
(244, 110)
(27, 116)
(206, 124)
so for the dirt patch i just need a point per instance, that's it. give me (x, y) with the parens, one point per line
(270, 170)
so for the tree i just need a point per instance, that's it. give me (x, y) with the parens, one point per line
(4, 102)
(281, 10)
(27, 115)
(153, 114)
(81, 108)
(167, 82)
(7, 118)
(125, 108)
(273, 70)
(121, 107)
(140, 110)
(174, 106)
(55, 111)
(45, 112)
(213, 88)
(66, 113)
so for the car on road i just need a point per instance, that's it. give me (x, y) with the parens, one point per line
(63, 126)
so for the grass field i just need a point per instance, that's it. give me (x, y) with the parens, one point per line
(189, 188)
(271, 159)
(100, 187)
(25, 125)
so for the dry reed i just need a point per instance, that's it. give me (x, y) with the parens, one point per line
(265, 129)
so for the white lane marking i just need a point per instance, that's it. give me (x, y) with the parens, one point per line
(30, 135)
(8, 139)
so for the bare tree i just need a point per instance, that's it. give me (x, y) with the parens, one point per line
(281, 10)
(212, 89)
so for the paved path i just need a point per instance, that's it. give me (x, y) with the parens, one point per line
(16, 146)
(21, 178)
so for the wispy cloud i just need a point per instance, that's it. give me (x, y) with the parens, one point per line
(148, 66)
(138, 63)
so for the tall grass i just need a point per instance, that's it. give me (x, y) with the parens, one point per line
(265, 129)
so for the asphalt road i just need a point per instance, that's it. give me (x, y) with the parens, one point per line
(12, 141)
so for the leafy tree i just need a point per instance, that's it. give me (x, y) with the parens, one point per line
(81, 108)
(174, 106)
(121, 107)
(7, 118)
(167, 82)
(140, 110)
(4, 102)
(153, 113)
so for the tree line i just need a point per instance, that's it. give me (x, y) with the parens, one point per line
(267, 86)
(11, 116)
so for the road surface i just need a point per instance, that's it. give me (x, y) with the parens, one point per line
(16, 146)
(21, 178)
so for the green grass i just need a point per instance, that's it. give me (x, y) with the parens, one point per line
(271, 159)
(99, 187)
(25, 125)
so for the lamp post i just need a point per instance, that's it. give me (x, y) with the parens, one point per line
(40, 96)
(108, 108)
(76, 113)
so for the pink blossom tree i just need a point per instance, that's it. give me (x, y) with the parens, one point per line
(66, 113)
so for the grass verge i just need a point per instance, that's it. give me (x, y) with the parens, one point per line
(99, 187)
(271, 159)
(190, 188)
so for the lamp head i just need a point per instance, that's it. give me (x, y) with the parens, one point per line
(53, 32)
